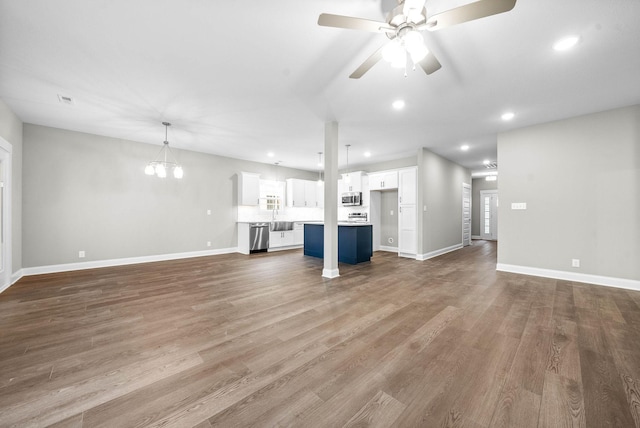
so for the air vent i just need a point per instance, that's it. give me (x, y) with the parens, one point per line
(491, 165)
(64, 99)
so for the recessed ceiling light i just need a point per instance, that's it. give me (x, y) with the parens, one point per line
(464, 147)
(566, 43)
(367, 154)
(398, 104)
(486, 161)
(270, 154)
(508, 115)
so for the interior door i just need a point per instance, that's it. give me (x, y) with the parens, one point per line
(466, 214)
(489, 215)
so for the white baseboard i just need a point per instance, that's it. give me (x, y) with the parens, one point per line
(388, 249)
(607, 281)
(67, 267)
(288, 247)
(436, 253)
(330, 273)
(476, 237)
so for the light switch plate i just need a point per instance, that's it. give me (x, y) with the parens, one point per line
(519, 206)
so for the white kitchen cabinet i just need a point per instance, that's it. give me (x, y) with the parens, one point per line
(301, 193)
(407, 212)
(281, 239)
(407, 242)
(384, 180)
(310, 194)
(248, 188)
(407, 186)
(352, 181)
(295, 192)
(298, 234)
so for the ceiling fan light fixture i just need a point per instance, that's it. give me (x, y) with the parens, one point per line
(418, 53)
(394, 53)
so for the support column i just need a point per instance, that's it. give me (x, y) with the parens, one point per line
(330, 200)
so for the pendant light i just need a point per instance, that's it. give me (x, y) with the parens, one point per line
(164, 160)
(347, 177)
(320, 181)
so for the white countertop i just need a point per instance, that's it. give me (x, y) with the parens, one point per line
(341, 223)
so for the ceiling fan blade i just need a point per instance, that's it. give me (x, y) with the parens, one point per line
(430, 63)
(367, 64)
(348, 22)
(469, 12)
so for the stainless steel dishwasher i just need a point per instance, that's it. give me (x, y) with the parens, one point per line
(258, 237)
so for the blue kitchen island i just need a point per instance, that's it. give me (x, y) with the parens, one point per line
(355, 244)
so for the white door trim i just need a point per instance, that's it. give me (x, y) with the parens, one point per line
(7, 248)
(466, 186)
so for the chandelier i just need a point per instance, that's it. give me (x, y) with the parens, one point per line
(164, 160)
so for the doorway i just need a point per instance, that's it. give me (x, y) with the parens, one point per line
(489, 215)
(466, 214)
(5, 214)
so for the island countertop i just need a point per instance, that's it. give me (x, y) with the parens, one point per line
(340, 223)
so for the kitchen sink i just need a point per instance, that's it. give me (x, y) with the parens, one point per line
(280, 226)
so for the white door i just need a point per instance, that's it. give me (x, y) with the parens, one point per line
(489, 214)
(466, 214)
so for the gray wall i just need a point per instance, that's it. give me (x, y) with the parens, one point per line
(86, 192)
(477, 185)
(388, 221)
(580, 178)
(11, 131)
(440, 191)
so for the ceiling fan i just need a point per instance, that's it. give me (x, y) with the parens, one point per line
(403, 26)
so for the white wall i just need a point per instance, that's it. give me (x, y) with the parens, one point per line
(580, 178)
(90, 193)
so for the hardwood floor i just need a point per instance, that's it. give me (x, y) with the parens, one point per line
(263, 340)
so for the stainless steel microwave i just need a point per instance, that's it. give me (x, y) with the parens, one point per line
(351, 198)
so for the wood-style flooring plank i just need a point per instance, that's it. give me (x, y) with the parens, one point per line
(263, 340)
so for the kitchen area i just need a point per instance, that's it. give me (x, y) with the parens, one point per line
(376, 211)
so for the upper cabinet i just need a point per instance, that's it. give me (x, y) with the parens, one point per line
(304, 193)
(407, 186)
(384, 180)
(352, 181)
(248, 188)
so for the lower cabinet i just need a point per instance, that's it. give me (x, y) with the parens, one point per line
(298, 233)
(281, 239)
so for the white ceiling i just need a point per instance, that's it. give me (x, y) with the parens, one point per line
(242, 78)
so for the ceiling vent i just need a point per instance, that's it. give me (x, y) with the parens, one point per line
(65, 99)
(491, 165)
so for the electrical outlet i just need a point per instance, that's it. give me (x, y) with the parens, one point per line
(81, 254)
(208, 243)
(391, 212)
(575, 262)
(208, 212)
